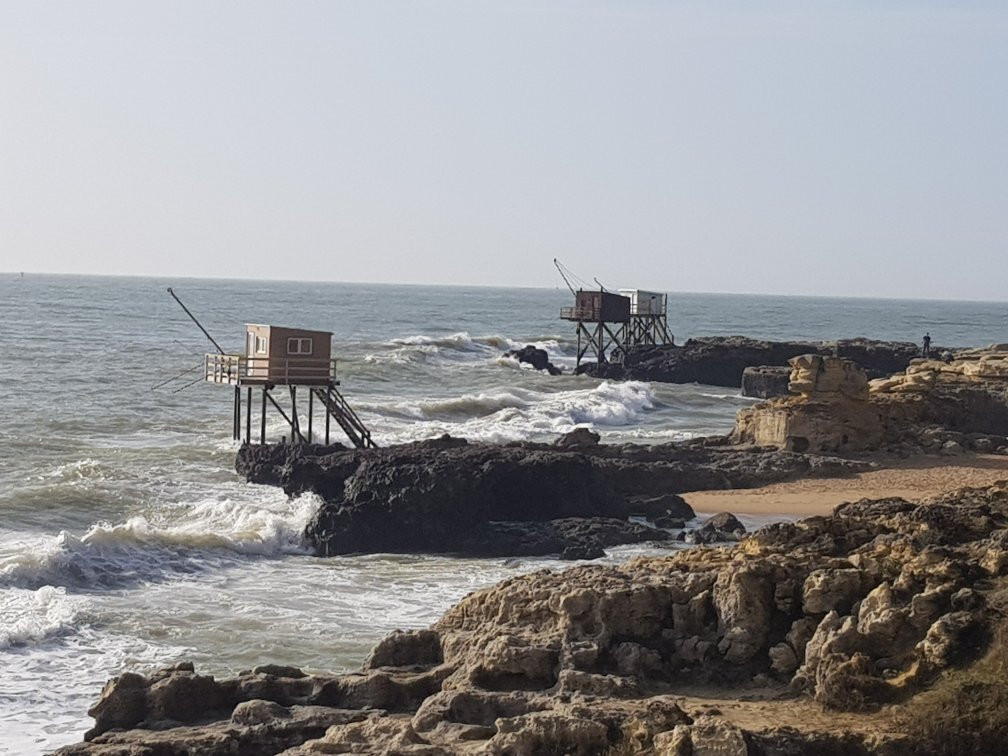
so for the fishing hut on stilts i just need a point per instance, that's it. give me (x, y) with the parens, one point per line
(611, 324)
(275, 358)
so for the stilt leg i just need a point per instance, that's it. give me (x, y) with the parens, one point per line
(262, 426)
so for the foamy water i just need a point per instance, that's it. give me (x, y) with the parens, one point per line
(127, 541)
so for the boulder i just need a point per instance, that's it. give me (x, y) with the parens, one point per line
(579, 438)
(537, 358)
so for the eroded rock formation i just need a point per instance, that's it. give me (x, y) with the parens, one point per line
(833, 408)
(853, 611)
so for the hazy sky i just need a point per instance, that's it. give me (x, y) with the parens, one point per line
(847, 148)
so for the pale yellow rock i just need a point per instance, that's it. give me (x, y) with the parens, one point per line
(813, 375)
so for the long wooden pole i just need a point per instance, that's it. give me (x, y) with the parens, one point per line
(193, 317)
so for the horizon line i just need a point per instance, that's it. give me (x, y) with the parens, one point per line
(19, 274)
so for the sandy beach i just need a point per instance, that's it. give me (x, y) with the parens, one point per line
(912, 479)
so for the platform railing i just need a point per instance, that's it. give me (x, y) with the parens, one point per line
(580, 313)
(237, 369)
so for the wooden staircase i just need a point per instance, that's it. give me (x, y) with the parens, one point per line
(344, 416)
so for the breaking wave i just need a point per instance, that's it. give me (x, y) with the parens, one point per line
(514, 414)
(32, 616)
(462, 347)
(187, 538)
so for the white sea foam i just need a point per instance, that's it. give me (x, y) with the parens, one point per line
(30, 616)
(514, 413)
(462, 347)
(181, 538)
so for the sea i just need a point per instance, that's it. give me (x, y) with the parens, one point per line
(128, 542)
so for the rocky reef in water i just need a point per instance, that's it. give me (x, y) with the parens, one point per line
(536, 357)
(573, 497)
(856, 614)
(721, 360)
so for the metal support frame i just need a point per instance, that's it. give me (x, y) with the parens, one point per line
(598, 338)
(647, 330)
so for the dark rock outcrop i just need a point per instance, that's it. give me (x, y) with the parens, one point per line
(536, 357)
(523, 499)
(765, 381)
(721, 360)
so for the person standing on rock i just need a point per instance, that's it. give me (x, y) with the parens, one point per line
(926, 351)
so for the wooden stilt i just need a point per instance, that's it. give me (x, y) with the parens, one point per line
(236, 425)
(262, 426)
(290, 420)
(293, 420)
(248, 416)
(327, 427)
(311, 409)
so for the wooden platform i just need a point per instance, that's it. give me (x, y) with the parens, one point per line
(239, 370)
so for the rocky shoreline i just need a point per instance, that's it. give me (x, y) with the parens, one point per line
(889, 614)
(859, 612)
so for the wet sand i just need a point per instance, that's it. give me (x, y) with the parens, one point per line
(916, 478)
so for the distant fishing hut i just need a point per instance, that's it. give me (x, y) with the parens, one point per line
(297, 358)
(610, 324)
(648, 323)
(601, 318)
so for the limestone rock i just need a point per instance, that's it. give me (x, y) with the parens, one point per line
(540, 733)
(707, 736)
(814, 375)
(859, 607)
(832, 589)
(953, 637)
(412, 647)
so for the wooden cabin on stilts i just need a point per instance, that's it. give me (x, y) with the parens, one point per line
(297, 359)
(611, 324)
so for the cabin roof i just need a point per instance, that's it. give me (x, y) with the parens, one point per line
(286, 328)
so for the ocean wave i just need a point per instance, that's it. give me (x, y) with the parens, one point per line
(31, 616)
(461, 346)
(513, 414)
(81, 469)
(181, 538)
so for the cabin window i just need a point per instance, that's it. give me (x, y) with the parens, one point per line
(260, 344)
(299, 346)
